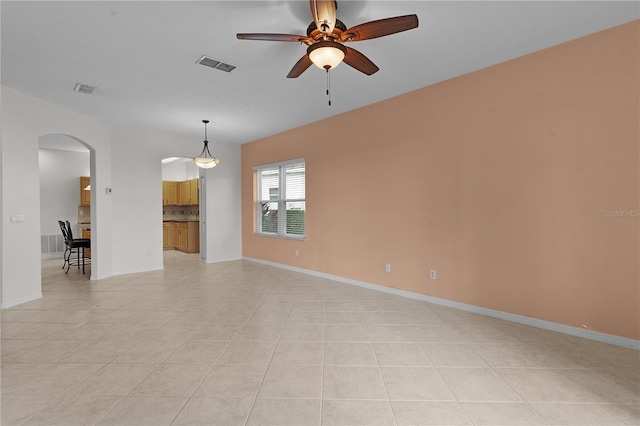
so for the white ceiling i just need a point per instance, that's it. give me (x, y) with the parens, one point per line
(142, 56)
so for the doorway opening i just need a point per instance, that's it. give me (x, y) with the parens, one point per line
(66, 172)
(183, 224)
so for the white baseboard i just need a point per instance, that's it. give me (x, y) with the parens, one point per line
(135, 271)
(221, 259)
(12, 303)
(520, 319)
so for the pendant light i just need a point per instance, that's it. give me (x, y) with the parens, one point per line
(205, 160)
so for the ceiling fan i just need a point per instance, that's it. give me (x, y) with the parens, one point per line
(327, 35)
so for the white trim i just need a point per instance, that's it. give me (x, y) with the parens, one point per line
(137, 271)
(20, 301)
(221, 260)
(520, 319)
(283, 236)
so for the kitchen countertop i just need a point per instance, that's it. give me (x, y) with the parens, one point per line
(180, 220)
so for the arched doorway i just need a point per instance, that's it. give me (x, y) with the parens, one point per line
(63, 160)
(180, 170)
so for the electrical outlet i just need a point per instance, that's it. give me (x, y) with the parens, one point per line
(296, 252)
(432, 274)
(387, 267)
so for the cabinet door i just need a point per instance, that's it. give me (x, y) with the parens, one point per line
(186, 193)
(194, 191)
(166, 235)
(86, 233)
(193, 237)
(184, 237)
(85, 194)
(175, 238)
(164, 192)
(169, 193)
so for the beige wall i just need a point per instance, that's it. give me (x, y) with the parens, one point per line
(500, 179)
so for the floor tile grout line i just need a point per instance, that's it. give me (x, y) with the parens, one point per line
(255, 398)
(384, 384)
(324, 354)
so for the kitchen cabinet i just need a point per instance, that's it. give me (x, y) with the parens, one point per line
(85, 194)
(169, 193)
(86, 233)
(194, 185)
(166, 235)
(174, 227)
(183, 236)
(189, 192)
(182, 193)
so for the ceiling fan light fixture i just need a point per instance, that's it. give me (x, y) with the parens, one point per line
(326, 54)
(205, 160)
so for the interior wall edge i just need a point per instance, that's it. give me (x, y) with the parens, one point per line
(138, 271)
(20, 301)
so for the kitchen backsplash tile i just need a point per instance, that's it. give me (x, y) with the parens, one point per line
(181, 213)
(84, 214)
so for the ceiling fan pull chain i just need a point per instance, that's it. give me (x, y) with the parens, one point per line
(328, 86)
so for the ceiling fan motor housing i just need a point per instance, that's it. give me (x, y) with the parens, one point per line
(314, 33)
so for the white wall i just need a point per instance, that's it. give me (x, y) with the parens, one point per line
(137, 199)
(223, 200)
(60, 173)
(24, 119)
(137, 189)
(126, 225)
(179, 170)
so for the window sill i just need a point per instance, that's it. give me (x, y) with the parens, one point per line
(281, 237)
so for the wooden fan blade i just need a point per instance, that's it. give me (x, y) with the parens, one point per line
(380, 28)
(324, 14)
(271, 37)
(300, 67)
(360, 62)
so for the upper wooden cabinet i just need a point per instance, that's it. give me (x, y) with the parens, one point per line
(85, 194)
(169, 193)
(188, 191)
(194, 186)
(184, 193)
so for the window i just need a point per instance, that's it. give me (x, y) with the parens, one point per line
(280, 199)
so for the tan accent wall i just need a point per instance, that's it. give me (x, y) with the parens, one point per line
(508, 181)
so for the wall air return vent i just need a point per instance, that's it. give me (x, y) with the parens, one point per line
(83, 88)
(215, 64)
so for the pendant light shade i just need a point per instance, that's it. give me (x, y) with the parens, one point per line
(205, 160)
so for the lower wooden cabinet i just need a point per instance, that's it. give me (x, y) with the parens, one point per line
(183, 236)
(166, 235)
(86, 233)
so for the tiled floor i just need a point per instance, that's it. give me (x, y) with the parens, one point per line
(243, 343)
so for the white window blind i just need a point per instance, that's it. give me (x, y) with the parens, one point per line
(281, 199)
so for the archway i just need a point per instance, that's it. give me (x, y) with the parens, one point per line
(182, 170)
(63, 159)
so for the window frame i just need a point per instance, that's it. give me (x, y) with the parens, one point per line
(281, 231)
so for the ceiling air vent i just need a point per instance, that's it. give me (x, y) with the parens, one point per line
(215, 64)
(83, 88)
